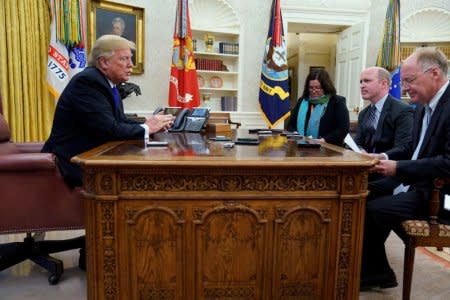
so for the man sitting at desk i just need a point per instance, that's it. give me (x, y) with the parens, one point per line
(89, 112)
(385, 123)
(415, 165)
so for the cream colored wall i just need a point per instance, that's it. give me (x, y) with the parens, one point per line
(254, 20)
(159, 23)
(154, 82)
(253, 16)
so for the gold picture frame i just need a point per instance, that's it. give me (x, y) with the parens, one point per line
(105, 17)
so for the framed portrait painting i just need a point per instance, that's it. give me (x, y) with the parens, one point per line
(115, 18)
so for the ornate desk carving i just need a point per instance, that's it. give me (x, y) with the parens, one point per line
(226, 224)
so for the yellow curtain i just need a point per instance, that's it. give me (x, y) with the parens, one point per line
(24, 39)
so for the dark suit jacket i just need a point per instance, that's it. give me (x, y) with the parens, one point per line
(434, 156)
(393, 129)
(86, 117)
(334, 124)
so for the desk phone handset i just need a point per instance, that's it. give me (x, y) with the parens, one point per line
(192, 121)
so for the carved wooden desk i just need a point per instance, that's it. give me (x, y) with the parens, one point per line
(197, 221)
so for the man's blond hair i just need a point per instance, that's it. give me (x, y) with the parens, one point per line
(105, 46)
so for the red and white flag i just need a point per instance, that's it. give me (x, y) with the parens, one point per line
(183, 86)
(66, 54)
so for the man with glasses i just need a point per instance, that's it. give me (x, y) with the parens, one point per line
(386, 122)
(410, 168)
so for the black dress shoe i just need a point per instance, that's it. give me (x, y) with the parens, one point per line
(380, 280)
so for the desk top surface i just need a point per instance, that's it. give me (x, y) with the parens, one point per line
(197, 149)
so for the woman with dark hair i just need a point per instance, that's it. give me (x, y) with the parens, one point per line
(319, 112)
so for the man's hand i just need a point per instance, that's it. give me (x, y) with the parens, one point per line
(386, 167)
(159, 122)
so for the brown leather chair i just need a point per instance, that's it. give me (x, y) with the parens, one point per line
(425, 233)
(34, 198)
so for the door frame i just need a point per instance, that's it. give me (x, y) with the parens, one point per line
(345, 18)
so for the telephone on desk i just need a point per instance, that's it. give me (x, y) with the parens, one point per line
(186, 119)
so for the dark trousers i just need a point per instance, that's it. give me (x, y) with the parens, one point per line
(385, 212)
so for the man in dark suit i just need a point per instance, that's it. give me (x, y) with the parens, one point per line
(424, 78)
(89, 111)
(385, 123)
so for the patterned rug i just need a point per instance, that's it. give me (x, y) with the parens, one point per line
(442, 257)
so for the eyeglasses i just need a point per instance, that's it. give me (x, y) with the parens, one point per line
(409, 81)
(312, 88)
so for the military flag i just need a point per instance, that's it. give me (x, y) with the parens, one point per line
(274, 84)
(183, 85)
(389, 54)
(66, 54)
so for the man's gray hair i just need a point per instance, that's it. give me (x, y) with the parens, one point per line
(427, 57)
(105, 46)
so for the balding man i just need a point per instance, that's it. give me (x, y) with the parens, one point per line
(89, 112)
(385, 123)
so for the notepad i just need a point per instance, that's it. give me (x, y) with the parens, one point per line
(447, 202)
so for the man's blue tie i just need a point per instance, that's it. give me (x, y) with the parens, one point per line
(115, 92)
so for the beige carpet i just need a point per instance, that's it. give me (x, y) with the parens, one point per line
(442, 257)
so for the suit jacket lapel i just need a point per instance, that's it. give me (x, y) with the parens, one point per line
(384, 111)
(417, 125)
(115, 111)
(434, 119)
(367, 136)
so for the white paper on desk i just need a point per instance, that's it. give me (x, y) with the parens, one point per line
(447, 202)
(351, 143)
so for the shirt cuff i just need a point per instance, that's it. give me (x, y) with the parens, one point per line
(385, 156)
(147, 131)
